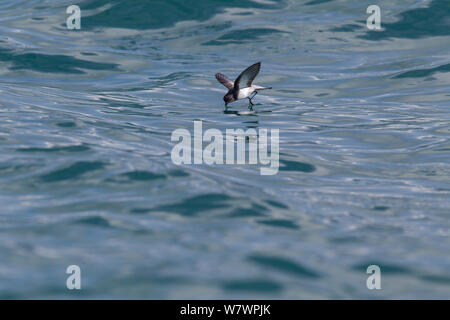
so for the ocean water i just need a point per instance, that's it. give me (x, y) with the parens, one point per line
(86, 176)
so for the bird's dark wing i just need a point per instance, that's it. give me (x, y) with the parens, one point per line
(223, 79)
(247, 76)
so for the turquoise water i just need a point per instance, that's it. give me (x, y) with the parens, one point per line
(86, 176)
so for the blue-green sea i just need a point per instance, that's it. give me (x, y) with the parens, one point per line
(87, 179)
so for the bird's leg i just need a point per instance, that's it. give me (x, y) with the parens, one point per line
(250, 100)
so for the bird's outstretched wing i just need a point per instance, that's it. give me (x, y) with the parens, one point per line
(247, 76)
(223, 79)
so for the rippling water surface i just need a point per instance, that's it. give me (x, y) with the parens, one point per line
(86, 176)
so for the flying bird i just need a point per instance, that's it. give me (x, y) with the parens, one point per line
(242, 87)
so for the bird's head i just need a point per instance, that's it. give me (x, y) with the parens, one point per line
(228, 98)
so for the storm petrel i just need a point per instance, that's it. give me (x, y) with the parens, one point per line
(242, 87)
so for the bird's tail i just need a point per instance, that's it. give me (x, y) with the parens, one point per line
(263, 88)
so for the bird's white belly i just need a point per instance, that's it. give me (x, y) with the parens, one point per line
(245, 92)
